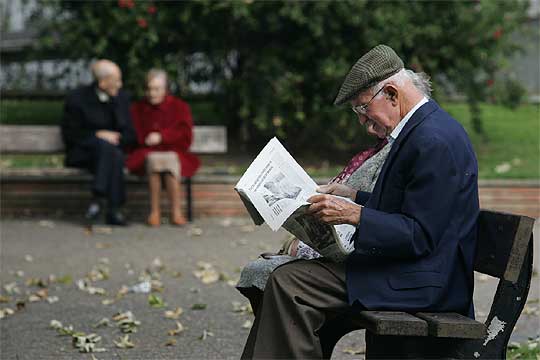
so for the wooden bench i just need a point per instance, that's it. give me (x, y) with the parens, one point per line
(16, 139)
(504, 251)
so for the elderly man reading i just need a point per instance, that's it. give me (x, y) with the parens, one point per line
(415, 233)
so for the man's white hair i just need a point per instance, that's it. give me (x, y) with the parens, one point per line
(420, 81)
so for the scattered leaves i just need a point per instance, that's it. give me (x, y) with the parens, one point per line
(104, 322)
(126, 322)
(124, 342)
(12, 288)
(4, 299)
(6, 312)
(206, 273)
(238, 307)
(47, 224)
(205, 334)
(84, 286)
(178, 330)
(174, 314)
(359, 351)
(195, 231)
(198, 306)
(247, 324)
(87, 343)
(156, 301)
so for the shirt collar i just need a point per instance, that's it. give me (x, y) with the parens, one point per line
(102, 95)
(395, 133)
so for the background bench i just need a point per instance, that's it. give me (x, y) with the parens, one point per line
(504, 251)
(47, 140)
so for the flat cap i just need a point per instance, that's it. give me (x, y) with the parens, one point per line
(377, 64)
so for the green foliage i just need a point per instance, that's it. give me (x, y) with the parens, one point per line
(30, 112)
(275, 66)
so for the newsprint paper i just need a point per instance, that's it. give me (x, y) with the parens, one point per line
(274, 190)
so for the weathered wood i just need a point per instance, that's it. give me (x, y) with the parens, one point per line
(48, 139)
(453, 325)
(495, 251)
(393, 323)
(507, 305)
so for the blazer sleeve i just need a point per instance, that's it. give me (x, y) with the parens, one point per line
(428, 199)
(180, 132)
(73, 124)
(362, 197)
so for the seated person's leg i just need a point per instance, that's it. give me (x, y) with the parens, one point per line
(298, 299)
(109, 179)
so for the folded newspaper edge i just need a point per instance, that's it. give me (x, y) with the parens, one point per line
(274, 190)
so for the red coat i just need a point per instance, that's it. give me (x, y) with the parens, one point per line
(172, 119)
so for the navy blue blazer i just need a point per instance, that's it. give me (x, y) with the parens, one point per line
(416, 240)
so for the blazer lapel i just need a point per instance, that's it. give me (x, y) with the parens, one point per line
(417, 118)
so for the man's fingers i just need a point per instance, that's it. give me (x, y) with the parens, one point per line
(326, 189)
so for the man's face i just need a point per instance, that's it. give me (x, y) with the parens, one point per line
(156, 90)
(381, 117)
(112, 83)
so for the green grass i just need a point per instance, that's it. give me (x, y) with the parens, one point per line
(513, 138)
(524, 351)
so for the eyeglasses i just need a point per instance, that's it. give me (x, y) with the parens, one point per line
(362, 109)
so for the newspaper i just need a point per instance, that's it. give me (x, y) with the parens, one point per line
(275, 190)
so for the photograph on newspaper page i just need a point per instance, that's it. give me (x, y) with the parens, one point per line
(275, 190)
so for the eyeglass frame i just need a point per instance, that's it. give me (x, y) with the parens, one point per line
(362, 109)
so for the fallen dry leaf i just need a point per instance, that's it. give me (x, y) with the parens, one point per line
(28, 258)
(4, 299)
(124, 342)
(361, 350)
(174, 314)
(102, 245)
(178, 330)
(170, 342)
(195, 231)
(198, 306)
(247, 324)
(104, 230)
(6, 312)
(205, 334)
(47, 224)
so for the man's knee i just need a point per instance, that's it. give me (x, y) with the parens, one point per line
(106, 149)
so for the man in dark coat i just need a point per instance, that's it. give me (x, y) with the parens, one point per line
(415, 233)
(96, 126)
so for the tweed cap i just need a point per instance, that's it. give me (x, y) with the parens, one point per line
(377, 64)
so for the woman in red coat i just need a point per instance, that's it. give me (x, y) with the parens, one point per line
(164, 133)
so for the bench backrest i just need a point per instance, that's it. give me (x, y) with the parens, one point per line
(503, 240)
(48, 139)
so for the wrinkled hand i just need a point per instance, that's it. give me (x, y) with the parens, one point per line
(333, 210)
(154, 138)
(338, 189)
(112, 137)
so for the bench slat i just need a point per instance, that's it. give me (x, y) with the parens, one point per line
(502, 242)
(393, 323)
(48, 139)
(453, 325)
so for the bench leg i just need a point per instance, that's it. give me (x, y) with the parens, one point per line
(189, 201)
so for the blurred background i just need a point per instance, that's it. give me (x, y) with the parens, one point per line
(272, 68)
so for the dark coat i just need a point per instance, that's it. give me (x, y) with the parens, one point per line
(172, 119)
(416, 240)
(83, 116)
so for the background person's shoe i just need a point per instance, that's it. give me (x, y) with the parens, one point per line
(92, 213)
(115, 218)
(154, 219)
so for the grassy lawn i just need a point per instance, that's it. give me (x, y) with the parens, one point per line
(513, 147)
(512, 150)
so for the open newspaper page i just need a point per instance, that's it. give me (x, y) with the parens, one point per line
(275, 190)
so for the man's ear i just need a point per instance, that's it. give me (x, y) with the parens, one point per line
(392, 93)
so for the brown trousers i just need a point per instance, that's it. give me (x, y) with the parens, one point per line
(301, 314)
